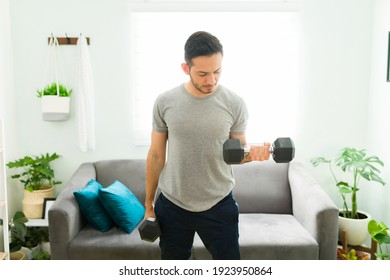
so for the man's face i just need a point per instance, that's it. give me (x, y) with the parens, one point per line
(204, 73)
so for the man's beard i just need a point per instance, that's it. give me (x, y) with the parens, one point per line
(206, 89)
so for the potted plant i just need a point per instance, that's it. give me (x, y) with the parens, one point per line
(38, 178)
(18, 230)
(350, 255)
(55, 102)
(358, 165)
(41, 255)
(380, 233)
(35, 240)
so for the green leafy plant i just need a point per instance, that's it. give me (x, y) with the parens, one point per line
(359, 165)
(350, 255)
(36, 171)
(41, 255)
(380, 233)
(35, 236)
(18, 230)
(52, 90)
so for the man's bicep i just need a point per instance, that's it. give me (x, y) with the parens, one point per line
(239, 136)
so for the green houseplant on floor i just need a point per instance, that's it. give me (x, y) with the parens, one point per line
(356, 165)
(18, 230)
(38, 178)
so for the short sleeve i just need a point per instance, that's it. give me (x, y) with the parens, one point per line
(159, 123)
(240, 118)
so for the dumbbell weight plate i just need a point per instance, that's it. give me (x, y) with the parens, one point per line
(149, 229)
(283, 150)
(233, 151)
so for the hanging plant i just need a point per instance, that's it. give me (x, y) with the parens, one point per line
(55, 102)
(55, 96)
(52, 90)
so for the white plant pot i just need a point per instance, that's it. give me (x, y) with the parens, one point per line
(30, 252)
(357, 229)
(55, 108)
(46, 247)
(27, 253)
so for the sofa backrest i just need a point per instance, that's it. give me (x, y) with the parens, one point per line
(129, 172)
(261, 187)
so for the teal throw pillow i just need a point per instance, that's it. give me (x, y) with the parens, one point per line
(91, 207)
(122, 205)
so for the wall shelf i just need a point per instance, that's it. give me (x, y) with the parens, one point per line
(67, 40)
(37, 223)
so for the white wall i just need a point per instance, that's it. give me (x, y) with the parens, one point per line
(336, 84)
(107, 24)
(378, 132)
(337, 37)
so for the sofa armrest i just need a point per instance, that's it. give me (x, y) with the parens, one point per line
(65, 219)
(314, 209)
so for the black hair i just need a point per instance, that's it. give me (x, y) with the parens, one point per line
(201, 43)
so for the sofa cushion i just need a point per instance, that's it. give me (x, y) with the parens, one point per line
(91, 208)
(115, 244)
(269, 237)
(262, 187)
(131, 173)
(122, 206)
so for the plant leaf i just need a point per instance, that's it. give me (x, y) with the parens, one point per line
(14, 246)
(317, 161)
(345, 190)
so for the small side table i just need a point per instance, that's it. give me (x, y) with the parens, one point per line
(37, 223)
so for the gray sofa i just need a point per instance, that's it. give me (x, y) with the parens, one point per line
(284, 214)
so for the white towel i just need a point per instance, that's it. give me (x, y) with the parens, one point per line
(85, 99)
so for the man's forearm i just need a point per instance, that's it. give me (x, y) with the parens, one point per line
(154, 167)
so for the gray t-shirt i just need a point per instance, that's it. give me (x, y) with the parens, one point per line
(195, 176)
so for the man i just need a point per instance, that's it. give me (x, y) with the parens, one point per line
(194, 120)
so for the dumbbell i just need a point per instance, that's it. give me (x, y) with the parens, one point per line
(149, 229)
(282, 150)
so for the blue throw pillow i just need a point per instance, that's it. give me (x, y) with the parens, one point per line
(122, 205)
(91, 208)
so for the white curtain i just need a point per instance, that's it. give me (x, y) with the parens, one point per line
(85, 99)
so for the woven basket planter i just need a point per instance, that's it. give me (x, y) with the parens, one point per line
(33, 202)
(18, 255)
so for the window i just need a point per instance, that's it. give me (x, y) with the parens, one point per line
(261, 63)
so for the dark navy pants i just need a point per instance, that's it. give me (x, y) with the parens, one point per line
(217, 227)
